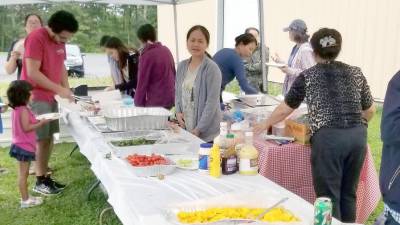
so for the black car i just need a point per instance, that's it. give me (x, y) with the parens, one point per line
(74, 62)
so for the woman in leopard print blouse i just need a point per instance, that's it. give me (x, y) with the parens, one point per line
(340, 105)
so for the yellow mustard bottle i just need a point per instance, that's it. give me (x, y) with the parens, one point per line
(248, 157)
(215, 161)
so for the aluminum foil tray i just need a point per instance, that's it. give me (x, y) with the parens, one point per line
(136, 118)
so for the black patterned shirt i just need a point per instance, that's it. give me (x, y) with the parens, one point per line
(335, 93)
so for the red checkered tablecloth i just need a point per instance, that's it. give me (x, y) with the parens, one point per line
(289, 166)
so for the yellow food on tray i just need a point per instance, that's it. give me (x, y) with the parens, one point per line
(216, 214)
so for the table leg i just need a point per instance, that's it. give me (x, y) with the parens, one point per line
(102, 214)
(91, 189)
(73, 150)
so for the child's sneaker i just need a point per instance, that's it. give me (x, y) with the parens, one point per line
(31, 202)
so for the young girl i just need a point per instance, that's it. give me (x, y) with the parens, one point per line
(23, 136)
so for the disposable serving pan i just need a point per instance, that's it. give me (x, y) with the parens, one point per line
(136, 118)
(254, 199)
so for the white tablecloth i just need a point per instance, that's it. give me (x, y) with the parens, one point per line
(143, 201)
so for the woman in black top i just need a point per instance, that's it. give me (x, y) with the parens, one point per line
(16, 52)
(128, 61)
(339, 106)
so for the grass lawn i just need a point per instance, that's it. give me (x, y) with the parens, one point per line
(71, 207)
(375, 143)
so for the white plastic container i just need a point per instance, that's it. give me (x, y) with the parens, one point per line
(248, 157)
(204, 153)
(220, 140)
(151, 171)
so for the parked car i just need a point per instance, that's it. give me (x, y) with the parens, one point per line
(74, 62)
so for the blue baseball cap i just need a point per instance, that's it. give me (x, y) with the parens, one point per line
(296, 25)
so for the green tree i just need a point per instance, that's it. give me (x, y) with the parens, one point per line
(95, 20)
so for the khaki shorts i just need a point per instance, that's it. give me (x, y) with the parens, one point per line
(46, 131)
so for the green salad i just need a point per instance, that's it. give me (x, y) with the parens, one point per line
(133, 142)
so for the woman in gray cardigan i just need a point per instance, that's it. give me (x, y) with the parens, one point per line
(197, 87)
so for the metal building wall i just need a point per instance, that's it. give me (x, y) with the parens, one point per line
(370, 30)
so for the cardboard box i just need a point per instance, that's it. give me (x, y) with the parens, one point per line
(300, 131)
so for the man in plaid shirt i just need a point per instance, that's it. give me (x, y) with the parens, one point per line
(390, 165)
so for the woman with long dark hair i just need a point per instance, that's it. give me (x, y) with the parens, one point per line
(128, 61)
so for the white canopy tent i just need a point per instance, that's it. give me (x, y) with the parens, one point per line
(174, 3)
(124, 2)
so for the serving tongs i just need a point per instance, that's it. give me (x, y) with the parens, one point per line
(85, 99)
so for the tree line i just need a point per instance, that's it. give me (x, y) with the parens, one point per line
(95, 20)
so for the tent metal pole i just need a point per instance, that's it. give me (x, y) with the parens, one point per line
(262, 43)
(220, 24)
(176, 32)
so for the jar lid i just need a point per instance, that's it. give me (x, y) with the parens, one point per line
(205, 145)
(230, 136)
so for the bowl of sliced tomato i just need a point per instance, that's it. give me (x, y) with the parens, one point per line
(147, 165)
